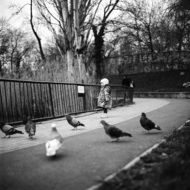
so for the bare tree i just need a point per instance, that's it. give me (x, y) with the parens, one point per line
(69, 23)
(142, 20)
(17, 12)
(180, 15)
(35, 32)
(4, 43)
(99, 32)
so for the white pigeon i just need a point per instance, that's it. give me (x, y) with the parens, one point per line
(55, 142)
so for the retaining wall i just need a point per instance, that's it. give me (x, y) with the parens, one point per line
(185, 95)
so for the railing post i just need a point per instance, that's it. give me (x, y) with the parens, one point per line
(51, 99)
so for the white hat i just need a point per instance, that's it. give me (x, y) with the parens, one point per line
(104, 81)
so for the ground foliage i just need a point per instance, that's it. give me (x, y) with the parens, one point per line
(166, 167)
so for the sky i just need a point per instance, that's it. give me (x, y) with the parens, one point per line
(6, 11)
(20, 21)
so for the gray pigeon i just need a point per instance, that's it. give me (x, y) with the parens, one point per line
(114, 132)
(73, 122)
(30, 127)
(8, 130)
(147, 124)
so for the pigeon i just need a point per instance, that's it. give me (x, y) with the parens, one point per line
(73, 122)
(55, 142)
(30, 127)
(9, 130)
(147, 124)
(114, 132)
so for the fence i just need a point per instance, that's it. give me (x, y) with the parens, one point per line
(46, 100)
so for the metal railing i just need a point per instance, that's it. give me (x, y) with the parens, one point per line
(47, 100)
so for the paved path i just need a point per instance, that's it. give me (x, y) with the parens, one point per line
(92, 121)
(88, 157)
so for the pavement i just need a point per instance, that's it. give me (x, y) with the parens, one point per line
(88, 155)
(91, 120)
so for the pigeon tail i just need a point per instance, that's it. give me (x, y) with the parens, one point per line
(157, 127)
(126, 134)
(13, 131)
(81, 124)
(19, 132)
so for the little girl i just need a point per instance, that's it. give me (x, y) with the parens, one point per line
(104, 97)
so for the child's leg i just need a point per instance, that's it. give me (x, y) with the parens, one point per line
(105, 110)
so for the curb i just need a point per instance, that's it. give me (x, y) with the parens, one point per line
(131, 163)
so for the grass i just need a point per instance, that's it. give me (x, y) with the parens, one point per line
(166, 167)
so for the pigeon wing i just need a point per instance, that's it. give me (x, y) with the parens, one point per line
(147, 123)
(150, 123)
(27, 127)
(75, 122)
(114, 131)
(143, 122)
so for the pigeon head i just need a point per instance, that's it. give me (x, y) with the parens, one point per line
(54, 134)
(143, 114)
(103, 122)
(54, 131)
(53, 127)
(68, 117)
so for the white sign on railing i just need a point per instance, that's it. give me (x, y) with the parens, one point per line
(80, 89)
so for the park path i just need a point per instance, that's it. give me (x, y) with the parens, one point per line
(88, 155)
(91, 120)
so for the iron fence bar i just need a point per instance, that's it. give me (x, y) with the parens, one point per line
(5, 92)
(51, 100)
(35, 99)
(59, 102)
(68, 102)
(38, 97)
(32, 100)
(2, 104)
(26, 98)
(41, 96)
(61, 99)
(75, 88)
(19, 85)
(28, 101)
(66, 96)
(16, 103)
(72, 99)
(74, 95)
(23, 91)
(46, 98)
(63, 96)
(11, 101)
(56, 99)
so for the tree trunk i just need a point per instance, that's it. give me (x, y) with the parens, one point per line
(99, 43)
(35, 33)
(82, 70)
(70, 65)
